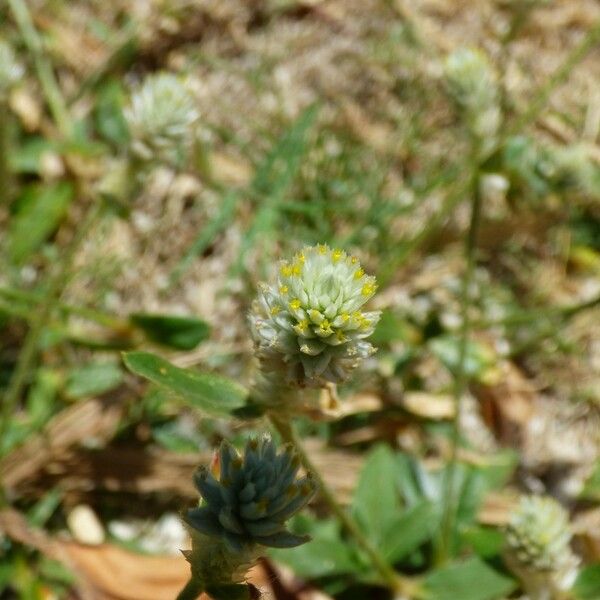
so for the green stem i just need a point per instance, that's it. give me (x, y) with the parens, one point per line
(30, 347)
(460, 382)
(90, 314)
(395, 581)
(543, 94)
(5, 174)
(191, 591)
(43, 67)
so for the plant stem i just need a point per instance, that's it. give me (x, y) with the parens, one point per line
(460, 381)
(45, 308)
(191, 591)
(5, 174)
(395, 581)
(543, 93)
(45, 74)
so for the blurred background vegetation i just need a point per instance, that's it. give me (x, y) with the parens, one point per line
(346, 122)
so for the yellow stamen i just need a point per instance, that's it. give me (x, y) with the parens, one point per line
(322, 249)
(324, 324)
(358, 273)
(368, 289)
(275, 310)
(297, 269)
(286, 270)
(336, 255)
(353, 260)
(283, 289)
(295, 304)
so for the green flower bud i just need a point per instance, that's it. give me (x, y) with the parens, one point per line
(310, 326)
(538, 548)
(10, 69)
(473, 86)
(162, 118)
(244, 509)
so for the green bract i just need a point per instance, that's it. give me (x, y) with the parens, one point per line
(538, 534)
(252, 499)
(161, 119)
(310, 326)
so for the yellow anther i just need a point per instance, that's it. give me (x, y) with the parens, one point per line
(297, 269)
(365, 323)
(336, 255)
(286, 270)
(345, 317)
(339, 334)
(353, 260)
(358, 273)
(325, 324)
(368, 289)
(357, 315)
(275, 310)
(322, 249)
(302, 325)
(283, 289)
(295, 304)
(300, 257)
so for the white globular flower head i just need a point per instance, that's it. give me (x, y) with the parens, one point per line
(162, 117)
(10, 69)
(538, 538)
(473, 85)
(310, 326)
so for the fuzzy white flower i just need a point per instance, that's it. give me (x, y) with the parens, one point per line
(474, 87)
(538, 539)
(310, 326)
(162, 118)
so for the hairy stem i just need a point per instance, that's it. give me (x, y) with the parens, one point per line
(395, 582)
(460, 381)
(191, 591)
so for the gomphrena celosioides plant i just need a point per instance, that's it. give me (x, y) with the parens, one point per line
(538, 547)
(162, 116)
(309, 327)
(473, 86)
(246, 502)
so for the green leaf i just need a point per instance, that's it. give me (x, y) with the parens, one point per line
(469, 580)
(478, 360)
(210, 393)
(376, 501)
(40, 210)
(486, 541)
(587, 585)
(182, 333)
(408, 531)
(319, 558)
(93, 379)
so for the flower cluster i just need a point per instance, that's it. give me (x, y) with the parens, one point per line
(252, 498)
(538, 545)
(473, 86)
(538, 533)
(10, 69)
(161, 118)
(310, 326)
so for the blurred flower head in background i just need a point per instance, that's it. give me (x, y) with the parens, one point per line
(162, 117)
(473, 85)
(310, 325)
(538, 538)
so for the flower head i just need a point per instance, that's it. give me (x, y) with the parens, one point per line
(253, 497)
(472, 84)
(161, 119)
(538, 533)
(310, 325)
(10, 69)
